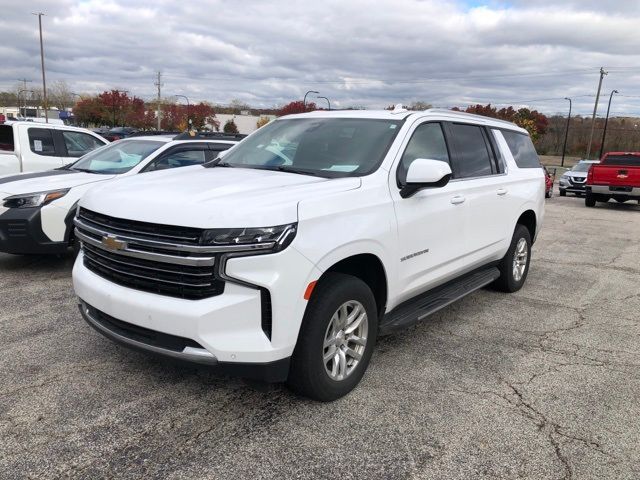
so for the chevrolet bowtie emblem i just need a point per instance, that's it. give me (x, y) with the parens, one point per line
(112, 243)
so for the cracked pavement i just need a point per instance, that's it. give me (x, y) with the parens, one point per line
(541, 384)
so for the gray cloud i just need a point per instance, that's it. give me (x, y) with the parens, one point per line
(354, 51)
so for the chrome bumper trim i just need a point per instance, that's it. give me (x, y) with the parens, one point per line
(189, 354)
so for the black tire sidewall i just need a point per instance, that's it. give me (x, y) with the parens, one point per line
(307, 375)
(509, 282)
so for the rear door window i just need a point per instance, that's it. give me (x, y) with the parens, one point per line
(79, 143)
(41, 141)
(472, 152)
(522, 149)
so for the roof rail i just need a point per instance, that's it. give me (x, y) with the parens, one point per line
(209, 136)
(143, 133)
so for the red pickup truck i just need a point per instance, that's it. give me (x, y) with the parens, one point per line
(617, 176)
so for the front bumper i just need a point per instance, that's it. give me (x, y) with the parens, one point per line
(177, 348)
(226, 328)
(567, 186)
(21, 233)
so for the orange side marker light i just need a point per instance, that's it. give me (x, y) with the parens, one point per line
(309, 290)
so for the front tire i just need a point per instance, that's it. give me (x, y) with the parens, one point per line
(514, 266)
(336, 339)
(590, 200)
(563, 193)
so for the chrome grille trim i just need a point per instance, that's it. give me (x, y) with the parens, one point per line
(161, 280)
(159, 257)
(172, 246)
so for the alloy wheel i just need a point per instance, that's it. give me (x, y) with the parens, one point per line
(345, 340)
(520, 257)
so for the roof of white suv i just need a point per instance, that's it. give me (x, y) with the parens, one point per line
(401, 114)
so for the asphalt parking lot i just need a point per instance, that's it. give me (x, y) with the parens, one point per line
(541, 384)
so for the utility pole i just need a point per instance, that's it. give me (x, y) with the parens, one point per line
(595, 108)
(44, 82)
(566, 132)
(606, 121)
(158, 84)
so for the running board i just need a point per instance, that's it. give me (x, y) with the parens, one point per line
(416, 309)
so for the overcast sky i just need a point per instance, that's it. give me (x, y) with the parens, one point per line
(356, 52)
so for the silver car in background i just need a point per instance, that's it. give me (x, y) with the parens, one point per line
(574, 180)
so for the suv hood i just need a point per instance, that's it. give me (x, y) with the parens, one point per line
(45, 181)
(212, 197)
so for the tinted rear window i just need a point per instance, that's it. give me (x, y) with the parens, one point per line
(626, 160)
(6, 138)
(522, 149)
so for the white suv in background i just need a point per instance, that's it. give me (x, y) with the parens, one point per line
(287, 257)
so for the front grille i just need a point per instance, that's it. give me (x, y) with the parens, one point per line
(141, 334)
(144, 230)
(579, 180)
(167, 271)
(182, 281)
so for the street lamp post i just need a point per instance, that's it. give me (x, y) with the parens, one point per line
(304, 101)
(188, 109)
(328, 102)
(44, 81)
(566, 133)
(606, 121)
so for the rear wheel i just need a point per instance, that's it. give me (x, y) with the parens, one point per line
(590, 200)
(336, 339)
(514, 266)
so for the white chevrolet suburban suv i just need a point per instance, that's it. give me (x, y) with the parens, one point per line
(284, 258)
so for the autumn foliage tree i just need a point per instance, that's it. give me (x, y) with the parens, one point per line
(175, 116)
(113, 108)
(297, 106)
(533, 121)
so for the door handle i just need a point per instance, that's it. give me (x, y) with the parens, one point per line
(458, 199)
(502, 191)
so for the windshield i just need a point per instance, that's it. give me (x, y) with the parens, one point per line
(327, 147)
(581, 167)
(118, 157)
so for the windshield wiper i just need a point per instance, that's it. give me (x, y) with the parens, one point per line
(82, 170)
(217, 162)
(286, 168)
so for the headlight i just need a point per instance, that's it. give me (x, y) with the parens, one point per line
(272, 239)
(30, 200)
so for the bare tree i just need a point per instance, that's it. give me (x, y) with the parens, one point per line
(60, 95)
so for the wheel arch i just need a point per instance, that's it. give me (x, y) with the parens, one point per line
(529, 220)
(369, 268)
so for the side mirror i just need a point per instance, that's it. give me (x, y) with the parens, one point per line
(425, 173)
(222, 153)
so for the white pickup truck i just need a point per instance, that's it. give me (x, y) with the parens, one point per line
(34, 147)
(287, 257)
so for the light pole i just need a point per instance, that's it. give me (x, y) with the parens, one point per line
(188, 109)
(566, 133)
(304, 101)
(606, 121)
(44, 82)
(24, 102)
(328, 102)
